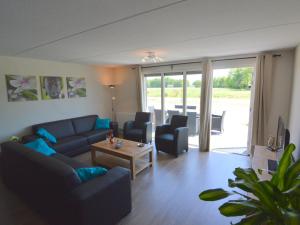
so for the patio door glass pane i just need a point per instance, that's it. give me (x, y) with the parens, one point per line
(230, 109)
(173, 95)
(153, 98)
(193, 89)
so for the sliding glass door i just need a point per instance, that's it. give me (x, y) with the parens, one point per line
(153, 84)
(173, 95)
(193, 93)
(230, 109)
(176, 93)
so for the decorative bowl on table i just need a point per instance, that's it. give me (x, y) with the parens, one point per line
(119, 144)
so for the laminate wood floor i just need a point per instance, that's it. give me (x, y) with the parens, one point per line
(166, 194)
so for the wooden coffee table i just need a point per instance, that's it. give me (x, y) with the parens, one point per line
(129, 155)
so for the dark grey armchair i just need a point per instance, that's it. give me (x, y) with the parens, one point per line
(140, 129)
(172, 138)
(217, 122)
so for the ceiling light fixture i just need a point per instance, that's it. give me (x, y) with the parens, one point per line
(151, 58)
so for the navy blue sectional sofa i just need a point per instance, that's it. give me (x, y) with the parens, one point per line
(51, 185)
(74, 136)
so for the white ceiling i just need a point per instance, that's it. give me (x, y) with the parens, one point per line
(121, 31)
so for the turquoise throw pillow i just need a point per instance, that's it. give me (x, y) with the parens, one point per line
(102, 123)
(86, 174)
(42, 132)
(41, 146)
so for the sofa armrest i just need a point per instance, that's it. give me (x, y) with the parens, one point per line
(181, 136)
(105, 199)
(162, 129)
(147, 132)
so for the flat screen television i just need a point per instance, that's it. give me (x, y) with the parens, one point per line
(280, 143)
(282, 137)
(282, 140)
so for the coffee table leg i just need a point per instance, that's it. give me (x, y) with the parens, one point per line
(132, 168)
(151, 158)
(93, 155)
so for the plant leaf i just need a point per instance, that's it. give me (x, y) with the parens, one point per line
(292, 173)
(214, 194)
(279, 176)
(264, 192)
(237, 208)
(248, 175)
(245, 186)
(292, 218)
(254, 219)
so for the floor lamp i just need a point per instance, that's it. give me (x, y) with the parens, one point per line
(113, 98)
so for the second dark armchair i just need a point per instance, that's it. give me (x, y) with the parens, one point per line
(140, 129)
(172, 138)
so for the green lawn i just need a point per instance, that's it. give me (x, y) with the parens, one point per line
(194, 93)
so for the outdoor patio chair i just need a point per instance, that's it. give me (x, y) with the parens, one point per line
(217, 122)
(158, 117)
(192, 123)
(151, 110)
(171, 113)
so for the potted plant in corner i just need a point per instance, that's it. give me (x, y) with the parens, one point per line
(270, 202)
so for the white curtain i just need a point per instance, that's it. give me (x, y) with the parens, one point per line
(262, 99)
(205, 106)
(141, 100)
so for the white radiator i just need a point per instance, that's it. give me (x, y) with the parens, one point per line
(122, 117)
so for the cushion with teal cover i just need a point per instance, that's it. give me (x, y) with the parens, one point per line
(41, 146)
(88, 173)
(42, 132)
(102, 123)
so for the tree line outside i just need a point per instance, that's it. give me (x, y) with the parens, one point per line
(238, 78)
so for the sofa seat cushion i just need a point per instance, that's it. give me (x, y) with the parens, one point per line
(69, 161)
(67, 144)
(165, 142)
(95, 135)
(166, 137)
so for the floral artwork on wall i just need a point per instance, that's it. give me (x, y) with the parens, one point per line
(52, 88)
(76, 87)
(21, 88)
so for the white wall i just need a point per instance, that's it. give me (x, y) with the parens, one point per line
(294, 122)
(283, 72)
(17, 117)
(125, 78)
(126, 88)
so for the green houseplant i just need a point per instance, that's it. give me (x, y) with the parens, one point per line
(270, 202)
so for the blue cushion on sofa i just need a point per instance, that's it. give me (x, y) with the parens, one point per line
(42, 132)
(41, 146)
(88, 173)
(102, 123)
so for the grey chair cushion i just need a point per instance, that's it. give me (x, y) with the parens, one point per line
(84, 124)
(69, 143)
(60, 129)
(95, 135)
